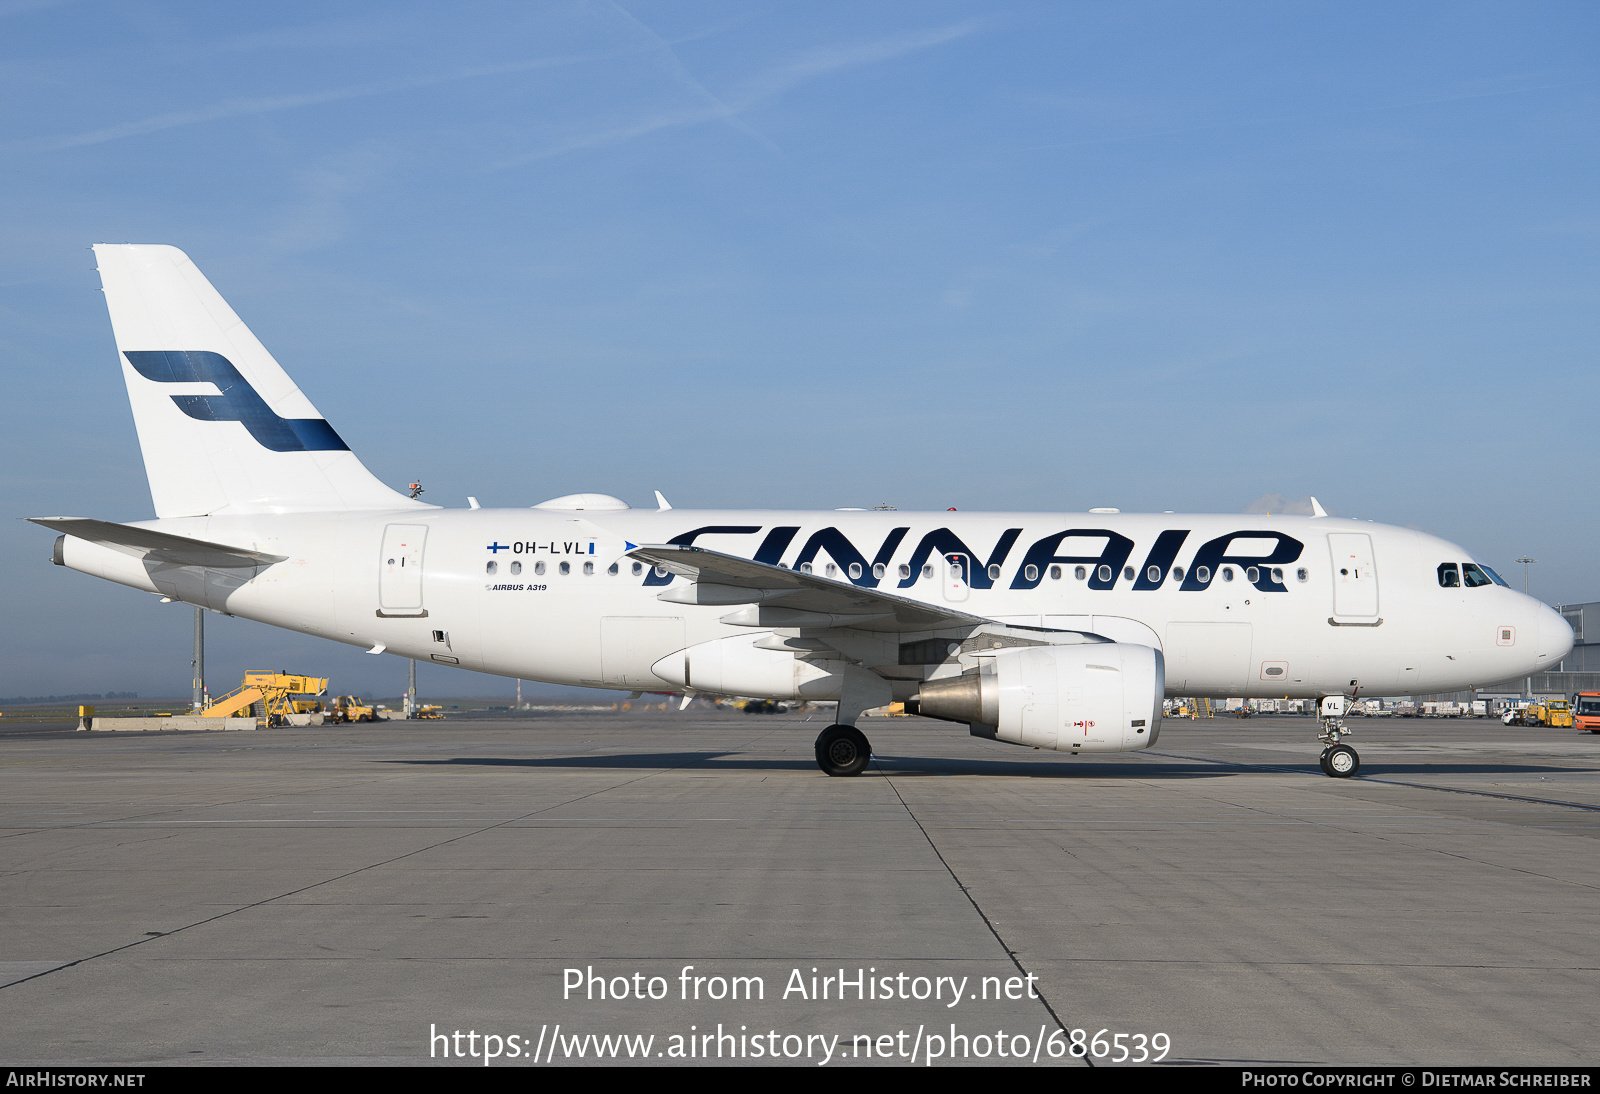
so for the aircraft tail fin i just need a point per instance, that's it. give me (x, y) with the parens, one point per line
(223, 428)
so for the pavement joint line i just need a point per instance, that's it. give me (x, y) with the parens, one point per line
(1507, 866)
(1485, 794)
(1189, 961)
(1398, 782)
(330, 880)
(967, 892)
(159, 811)
(1352, 827)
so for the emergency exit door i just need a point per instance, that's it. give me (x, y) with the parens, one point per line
(957, 576)
(400, 570)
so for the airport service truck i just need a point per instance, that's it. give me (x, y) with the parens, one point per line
(1586, 711)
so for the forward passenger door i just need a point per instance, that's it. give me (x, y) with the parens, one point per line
(1355, 577)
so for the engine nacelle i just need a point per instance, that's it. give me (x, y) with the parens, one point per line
(1104, 697)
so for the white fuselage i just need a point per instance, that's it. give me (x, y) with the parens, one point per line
(1288, 607)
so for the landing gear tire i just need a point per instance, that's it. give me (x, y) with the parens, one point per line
(1340, 761)
(842, 751)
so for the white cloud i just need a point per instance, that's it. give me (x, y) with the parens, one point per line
(807, 67)
(233, 108)
(322, 215)
(1278, 503)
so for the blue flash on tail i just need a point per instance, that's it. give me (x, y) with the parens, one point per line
(238, 402)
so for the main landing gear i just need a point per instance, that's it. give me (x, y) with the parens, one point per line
(1339, 761)
(843, 750)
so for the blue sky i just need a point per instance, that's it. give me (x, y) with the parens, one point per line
(1014, 256)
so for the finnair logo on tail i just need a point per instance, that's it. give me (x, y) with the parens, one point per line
(237, 403)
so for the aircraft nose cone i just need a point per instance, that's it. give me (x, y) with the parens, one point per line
(1555, 637)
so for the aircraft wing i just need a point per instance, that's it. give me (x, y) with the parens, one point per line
(159, 546)
(778, 597)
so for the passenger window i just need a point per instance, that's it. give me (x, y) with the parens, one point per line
(1252, 575)
(927, 571)
(1030, 572)
(905, 571)
(805, 567)
(1474, 576)
(878, 570)
(1302, 574)
(661, 571)
(832, 570)
(855, 570)
(1080, 573)
(565, 568)
(1105, 573)
(538, 567)
(638, 568)
(491, 567)
(1127, 573)
(994, 572)
(1202, 574)
(588, 568)
(1277, 574)
(1153, 574)
(1177, 572)
(1449, 577)
(516, 567)
(1227, 573)
(612, 569)
(1055, 573)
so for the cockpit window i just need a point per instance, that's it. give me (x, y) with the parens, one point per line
(1474, 576)
(1496, 578)
(1449, 576)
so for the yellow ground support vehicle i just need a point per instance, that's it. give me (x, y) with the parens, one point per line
(269, 696)
(1549, 712)
(347, 708)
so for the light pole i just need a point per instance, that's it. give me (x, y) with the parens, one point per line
(200, 659)
(1526, 562)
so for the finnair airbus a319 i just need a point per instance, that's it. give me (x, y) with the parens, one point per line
(1058, 631)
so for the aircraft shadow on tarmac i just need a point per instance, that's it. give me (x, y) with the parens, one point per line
(909, 766)
(899, 766)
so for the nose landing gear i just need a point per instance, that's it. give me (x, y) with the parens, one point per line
(1339, 761)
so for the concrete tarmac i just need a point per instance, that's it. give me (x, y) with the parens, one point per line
(358, 894)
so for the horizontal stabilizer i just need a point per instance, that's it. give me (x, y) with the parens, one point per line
(160, 546)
